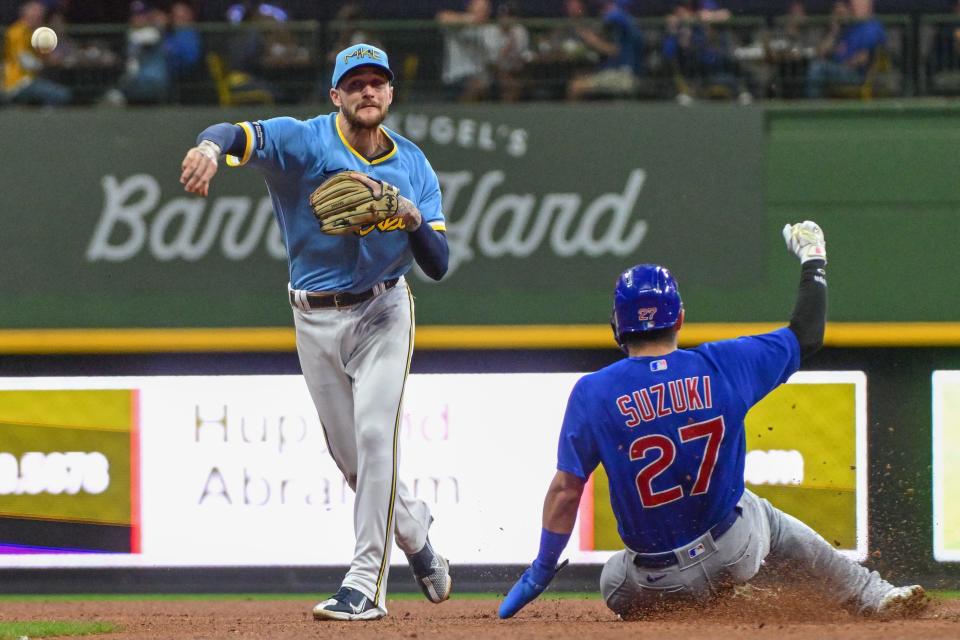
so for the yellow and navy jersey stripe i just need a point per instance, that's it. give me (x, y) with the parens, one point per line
(379, 159)
(234, 161)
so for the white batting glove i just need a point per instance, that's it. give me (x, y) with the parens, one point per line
(805, 239)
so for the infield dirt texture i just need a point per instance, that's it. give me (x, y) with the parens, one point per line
(756, 616)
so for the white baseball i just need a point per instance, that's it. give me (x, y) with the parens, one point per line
(44, 39)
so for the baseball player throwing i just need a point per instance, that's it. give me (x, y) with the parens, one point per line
(667, 425)
(357, 204)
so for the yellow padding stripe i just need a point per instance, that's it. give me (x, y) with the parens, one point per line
(51, 341)
(575, 336)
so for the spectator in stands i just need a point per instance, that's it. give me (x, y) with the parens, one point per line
(711, 11)
(848, 50)
(347, 34)
(943, 63)
(182, 44)
(22, 66)
(565, 42)
(621, 49)
(700, 56)
(249, 44)
(789, 49)
(513, 50)
(470, 44)
(798, 33)
(147, 77)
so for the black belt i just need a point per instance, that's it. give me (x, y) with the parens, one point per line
(342, 298)
(669, 558)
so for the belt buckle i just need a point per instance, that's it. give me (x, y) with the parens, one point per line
(336, 301)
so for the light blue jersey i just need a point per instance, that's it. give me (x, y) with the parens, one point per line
(295, 157)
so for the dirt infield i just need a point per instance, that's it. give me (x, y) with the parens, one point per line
(777, 616)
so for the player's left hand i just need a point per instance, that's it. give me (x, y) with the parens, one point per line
(351, 200)
(406, 209)
(530, 585)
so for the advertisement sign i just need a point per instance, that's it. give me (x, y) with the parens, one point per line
(946, 476)
(234, 470)
(69, 477)
(518, 218)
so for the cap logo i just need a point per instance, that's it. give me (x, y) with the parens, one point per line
(362, 53)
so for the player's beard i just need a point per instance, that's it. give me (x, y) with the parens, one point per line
(358, 122)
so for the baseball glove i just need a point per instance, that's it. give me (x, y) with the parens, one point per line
(351, 200)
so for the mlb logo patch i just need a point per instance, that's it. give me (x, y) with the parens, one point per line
(658, 365)
(697, 550)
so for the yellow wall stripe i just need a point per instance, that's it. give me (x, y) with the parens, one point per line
(577, 336)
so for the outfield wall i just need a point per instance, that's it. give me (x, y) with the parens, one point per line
(900, 511)
(544, 203)
(98, 263)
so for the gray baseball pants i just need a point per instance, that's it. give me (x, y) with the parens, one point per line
(735, 558)
(355, 361)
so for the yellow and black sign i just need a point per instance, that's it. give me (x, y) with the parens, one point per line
(69, 475)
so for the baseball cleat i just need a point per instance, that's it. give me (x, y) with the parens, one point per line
(903, 601)
(347, 604)
(432, 573)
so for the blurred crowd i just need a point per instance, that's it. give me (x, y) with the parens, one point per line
(223, 52)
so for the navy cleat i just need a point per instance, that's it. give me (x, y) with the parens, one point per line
(432, 573)
(347, 604)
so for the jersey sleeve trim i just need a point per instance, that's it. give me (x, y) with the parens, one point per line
(233, 161)
(359, 155)
(438, 225)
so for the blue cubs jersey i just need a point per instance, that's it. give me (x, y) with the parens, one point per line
(295, 157)
(669, 433)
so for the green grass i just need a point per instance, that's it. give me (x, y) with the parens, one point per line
(944, 594)
(42, 629)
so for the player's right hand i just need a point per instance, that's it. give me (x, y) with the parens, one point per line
(530, 585)
(805, 239)
(198, 168)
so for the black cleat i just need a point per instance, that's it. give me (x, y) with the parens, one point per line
(347, 604)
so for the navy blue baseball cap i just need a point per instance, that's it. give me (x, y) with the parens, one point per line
(360, 55)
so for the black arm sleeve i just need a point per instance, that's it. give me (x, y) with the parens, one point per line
(430, 250)
(809, 318)
(231, 138)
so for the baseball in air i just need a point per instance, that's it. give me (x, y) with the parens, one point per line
(44, 40)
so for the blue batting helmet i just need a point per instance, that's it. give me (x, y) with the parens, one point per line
(646, 298)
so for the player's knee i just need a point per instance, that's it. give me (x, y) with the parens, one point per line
(372, 440)
(613, 582)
